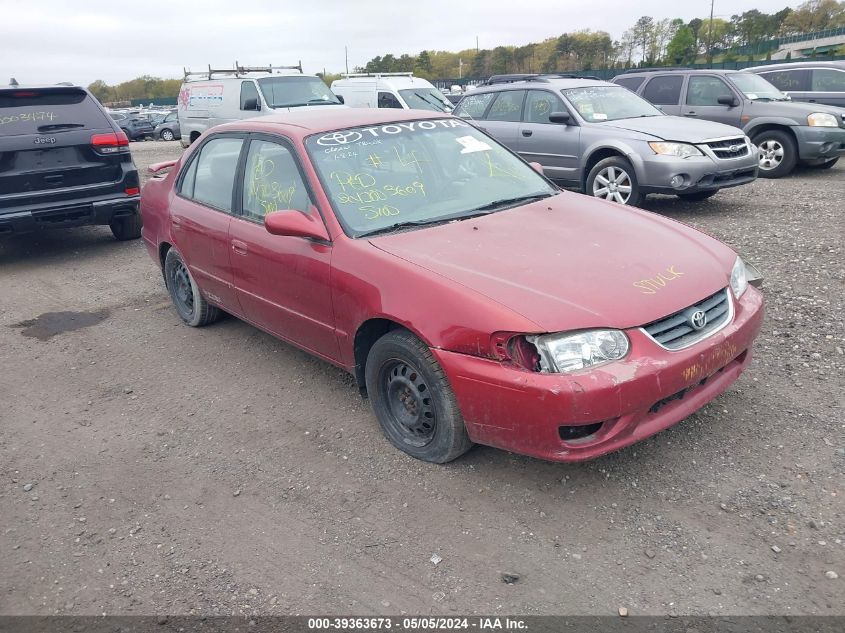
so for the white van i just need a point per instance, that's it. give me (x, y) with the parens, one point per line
(212, 97)
(390, 90)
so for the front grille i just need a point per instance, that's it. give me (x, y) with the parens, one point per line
(723, 148)
(676, 331)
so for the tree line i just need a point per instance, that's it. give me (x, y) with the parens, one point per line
(144, 87)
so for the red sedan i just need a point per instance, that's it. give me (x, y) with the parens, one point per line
(472, 300)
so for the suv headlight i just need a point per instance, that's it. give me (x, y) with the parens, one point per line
(739, 278)
(681, 150)
(566, 352)
(822, 119)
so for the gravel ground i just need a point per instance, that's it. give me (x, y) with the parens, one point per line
(147, 467)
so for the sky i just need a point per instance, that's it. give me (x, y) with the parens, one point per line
(82, 40)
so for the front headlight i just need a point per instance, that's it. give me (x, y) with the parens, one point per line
(822, 119)
(681, 150)
(739, 278)
(561, 353)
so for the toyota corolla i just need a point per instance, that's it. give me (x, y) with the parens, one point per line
(473, 301)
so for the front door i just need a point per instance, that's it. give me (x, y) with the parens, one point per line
(201, 212)
(283, 283)
(554, 145)
(504, 116)
(702, 100)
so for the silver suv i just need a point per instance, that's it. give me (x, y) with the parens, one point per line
(605, 141)
(785, 132)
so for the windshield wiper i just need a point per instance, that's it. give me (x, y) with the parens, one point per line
(402, 225)
(58, 126)
(434, 103)
(497, 205)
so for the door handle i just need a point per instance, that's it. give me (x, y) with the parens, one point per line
(176, 222)
(527, 132)
(239, 247)
(690, 114)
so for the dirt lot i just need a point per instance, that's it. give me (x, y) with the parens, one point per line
(148, 467)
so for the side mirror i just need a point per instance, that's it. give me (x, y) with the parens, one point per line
(728, 100)
(537, 167)
(340, 98)
(252, 104)
(560, 117)
(292, 223)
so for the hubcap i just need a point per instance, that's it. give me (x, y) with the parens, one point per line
(409, 402)
(771, 155)
(183, 291)
(613, 183)
(167, 135)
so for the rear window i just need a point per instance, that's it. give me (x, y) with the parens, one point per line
(631, 83)
(664, 89)
(41, 111)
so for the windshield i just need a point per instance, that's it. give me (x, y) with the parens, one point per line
(418, 173)
(756, 88)
(426, 99)
(293, 91)
(597, 104)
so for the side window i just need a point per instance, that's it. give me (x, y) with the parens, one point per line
(539, 105)
(631, 83)
(507, 106)
(272, 181)
(664, 89)
(706, 90)
(170, 117)
(828, 80)
(388, 100)
(474, 106)
(211, 175)
(249, 96)
(788, 79)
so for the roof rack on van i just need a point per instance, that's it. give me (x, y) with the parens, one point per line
(238, 71)
(350, 75)
(654, 69)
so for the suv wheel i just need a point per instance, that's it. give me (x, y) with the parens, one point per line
(614, 179)
(127, 227)
(412, 399)
(778, 153)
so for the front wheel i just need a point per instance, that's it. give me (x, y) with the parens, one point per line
(697, 196)
(185, 294)
(614, 179)
(778, 153)
(412, 399)
(166, 135)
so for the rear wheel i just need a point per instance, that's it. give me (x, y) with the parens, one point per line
(166, 135)
(778, 153)
(697, 196)
(185, 294)
(614, 179)
(412, 399)
(127, 227)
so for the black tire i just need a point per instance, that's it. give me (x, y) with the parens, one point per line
(191, 306)
(128, 135)
(166, 135)
(624, 189)
(825, 165)
(127, 227)
(697, 196)
(412, 399)
(778, 153)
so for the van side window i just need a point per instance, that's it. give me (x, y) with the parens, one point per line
(210, 175)
(249, 96)
(706, 90)
(828, 80)
(787, 80)
(272, 181)
(388, 100)
(664, 90)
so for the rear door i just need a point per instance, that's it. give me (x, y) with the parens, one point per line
(701, 102)
(47, 147)
(554, 145)
(664, 91)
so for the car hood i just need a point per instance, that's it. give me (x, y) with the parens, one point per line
(572, 262)
(676, 128)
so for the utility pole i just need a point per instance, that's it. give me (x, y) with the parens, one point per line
(476, 43)
(710, 37)
(346, 55)
(460, 68)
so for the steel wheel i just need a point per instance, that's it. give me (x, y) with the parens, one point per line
(166, 135)
(613, 183)
(183, 291)
(410, 408)
(771, 154)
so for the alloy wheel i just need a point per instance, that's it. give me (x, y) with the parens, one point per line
(613, 183)
(771, 155)
(167, 135)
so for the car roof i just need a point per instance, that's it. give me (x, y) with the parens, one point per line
(556, 83)
(304, 122)
(677, 71)
(794, 65)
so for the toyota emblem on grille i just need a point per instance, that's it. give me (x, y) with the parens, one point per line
(698, 319)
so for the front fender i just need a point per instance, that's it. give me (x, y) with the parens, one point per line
(759, 122)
